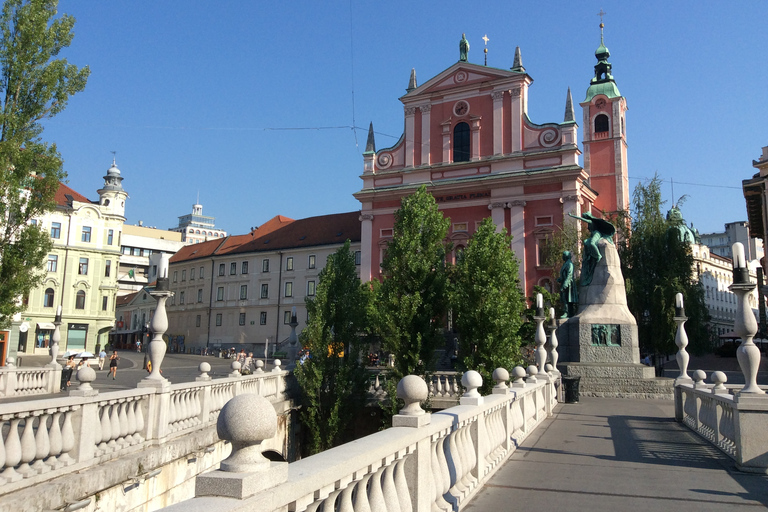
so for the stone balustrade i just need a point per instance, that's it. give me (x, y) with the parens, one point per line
(43, 439)
(28, 381)
(424, 462)
(733, 419)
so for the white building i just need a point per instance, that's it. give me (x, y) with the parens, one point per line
(141, 249)
(720, 243)
(196, 227)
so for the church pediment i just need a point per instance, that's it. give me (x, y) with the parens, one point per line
(462, 74)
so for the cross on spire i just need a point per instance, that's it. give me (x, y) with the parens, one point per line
(485, 50)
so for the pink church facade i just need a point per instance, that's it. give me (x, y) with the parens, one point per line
(469, 139)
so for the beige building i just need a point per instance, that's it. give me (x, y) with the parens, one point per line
(80, 272)
(239, 291)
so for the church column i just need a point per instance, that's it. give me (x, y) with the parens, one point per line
(571, 204)
(498, 122)
(425, 143)
(497, 214)
(474, 126)
(446, 142)
(517, 231)
(410, 116)
(515, 119)
(366, 245)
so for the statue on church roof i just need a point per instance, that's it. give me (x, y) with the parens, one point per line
(678, 227)
(463, 48)
(598, 229)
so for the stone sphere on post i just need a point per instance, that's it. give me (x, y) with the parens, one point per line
(698, 379)
(259, 366)
(719, 379)
(235, 367)
(472, 381)
(500, 377)
(532, 372)
(85, 376)
(246, 421)
(518, 373)
(412, 390)
(277, 364)
(203, 368)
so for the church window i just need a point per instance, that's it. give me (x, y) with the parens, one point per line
(461, 143)
(601, 123)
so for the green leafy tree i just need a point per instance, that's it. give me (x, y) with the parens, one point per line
(487, 303)
(332, 379)
(413, 298)
(657, 265)
(35, 85)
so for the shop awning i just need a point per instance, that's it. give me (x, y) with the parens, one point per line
(45, 325)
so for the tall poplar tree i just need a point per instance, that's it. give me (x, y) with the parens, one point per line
(657, 265)
(35, 85)
(332, 379)
(413, 297)
(487, 303)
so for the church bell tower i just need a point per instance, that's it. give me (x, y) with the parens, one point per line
(605, 136)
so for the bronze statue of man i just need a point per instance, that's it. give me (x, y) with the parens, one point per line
(569, 294)
(463, 48)
(598, 228)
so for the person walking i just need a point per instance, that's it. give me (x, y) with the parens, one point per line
(113, 359)
(102, 358)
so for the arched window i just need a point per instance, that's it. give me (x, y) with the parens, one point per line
(601, 123)
(461, 143)
(48, 298)
(80, 300)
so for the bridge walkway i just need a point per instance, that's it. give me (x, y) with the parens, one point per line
(619, 454)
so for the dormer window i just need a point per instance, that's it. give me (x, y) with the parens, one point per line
(461, 143)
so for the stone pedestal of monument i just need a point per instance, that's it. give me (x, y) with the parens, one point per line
(600, 343)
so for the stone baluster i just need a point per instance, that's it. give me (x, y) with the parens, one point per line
(106, 428)
(131, 421)
(114, 424)
(500, 376)
(122, 417)
(43, 443)
(246, 421)
(454, 386)
(439, 385)
(540, 337)
(553, 343)
(412, 390)
(28, 447)
(719, 379)
(54, 438)
(681, 339)
(745, 324)
(12, 450)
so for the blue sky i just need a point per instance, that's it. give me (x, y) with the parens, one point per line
(252, 104)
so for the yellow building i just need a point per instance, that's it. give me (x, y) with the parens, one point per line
(80, 273)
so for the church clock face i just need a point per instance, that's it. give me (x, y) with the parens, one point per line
(600, 103)
(461, 108)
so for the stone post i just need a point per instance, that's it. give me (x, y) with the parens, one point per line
(540, 337)
(500, 376)
(158, 325)
(55, 339)
(553, 343)
(85, 375)
(245, 421)
(681, 339)
(519, 374)
(745, 324)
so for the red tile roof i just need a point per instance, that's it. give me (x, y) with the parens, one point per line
(125, 299)
(280, 233)
(64, 191)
